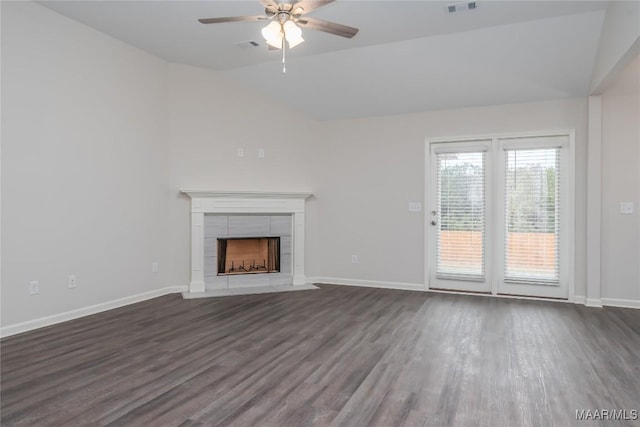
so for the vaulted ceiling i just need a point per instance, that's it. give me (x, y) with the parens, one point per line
(408, 56)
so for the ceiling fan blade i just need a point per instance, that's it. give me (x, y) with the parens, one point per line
(309, 5)
(231, 19)
(328, 27)
(268, 4)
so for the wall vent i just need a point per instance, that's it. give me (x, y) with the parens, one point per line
(460, 7)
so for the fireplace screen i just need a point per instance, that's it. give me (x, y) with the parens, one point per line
(248, 255)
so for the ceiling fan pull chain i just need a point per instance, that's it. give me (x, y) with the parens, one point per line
(284, 66)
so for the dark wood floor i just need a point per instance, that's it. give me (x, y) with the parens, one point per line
(340, 356)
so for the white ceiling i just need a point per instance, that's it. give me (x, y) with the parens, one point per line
(408, 56)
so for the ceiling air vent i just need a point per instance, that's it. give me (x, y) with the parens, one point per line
(248, 45)
(459, 7)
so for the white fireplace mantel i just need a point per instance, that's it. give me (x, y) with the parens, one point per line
(244, 202)
(245, 194)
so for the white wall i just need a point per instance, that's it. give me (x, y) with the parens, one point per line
(84, 165)
(620, 274)
(620, 31)
(377, 165)
(211, 116)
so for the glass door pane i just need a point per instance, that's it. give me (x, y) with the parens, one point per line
(460, 238)
(532, 215)
(532, 224)
(459, 217)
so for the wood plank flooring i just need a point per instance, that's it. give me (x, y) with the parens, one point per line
(338, 356)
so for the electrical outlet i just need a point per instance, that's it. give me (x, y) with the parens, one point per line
(155, 267)
(240, 152)
(261, 153)
(415, 207)
(34, 287)
(354, 259)
(626, 208)
(72, 281)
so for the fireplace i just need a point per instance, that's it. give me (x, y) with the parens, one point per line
(228, 216)
(248, 255)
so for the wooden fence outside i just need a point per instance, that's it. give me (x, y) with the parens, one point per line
(528, 252)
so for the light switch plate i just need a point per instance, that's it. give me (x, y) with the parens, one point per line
(415, 207)
(626, 208)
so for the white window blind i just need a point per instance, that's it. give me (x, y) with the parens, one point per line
(460, 236)
(532, 215)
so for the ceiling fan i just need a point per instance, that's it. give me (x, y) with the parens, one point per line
(286, 19)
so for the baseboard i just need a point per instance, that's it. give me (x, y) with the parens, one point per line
(41, 322)
(624, 303)
(593, 302)
(367, 283)
(578, 299)
(30, 325)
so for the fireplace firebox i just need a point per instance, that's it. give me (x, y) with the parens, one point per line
(248, 255)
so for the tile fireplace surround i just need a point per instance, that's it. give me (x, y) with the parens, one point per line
(220, 213)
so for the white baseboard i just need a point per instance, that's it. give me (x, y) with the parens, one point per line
(41, 322)
(578, 299)
(593, 302)
(624, 303)
(367, 283)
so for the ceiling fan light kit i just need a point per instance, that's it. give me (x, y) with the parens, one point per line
(272, 34)
(276, 31)
(292, 33)
(286, 21)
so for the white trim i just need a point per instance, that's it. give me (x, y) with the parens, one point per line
(481, 294)
(593, 302)
(427, 213)
(253, 290)
(41, 322)
(367, 283)
(493, 136)
(625, 303)
(578, 299)
(571, 230)
(245, 194)
(594, 198)
(417, 287)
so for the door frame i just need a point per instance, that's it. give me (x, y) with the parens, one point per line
(460, 283)
(493, 262)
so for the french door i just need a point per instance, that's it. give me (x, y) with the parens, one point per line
(499, 215)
